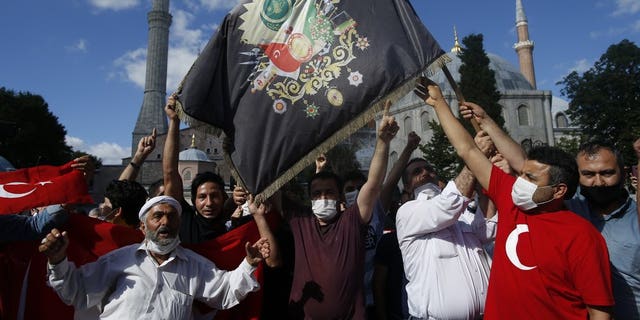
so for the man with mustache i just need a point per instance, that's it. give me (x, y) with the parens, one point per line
(157, 278)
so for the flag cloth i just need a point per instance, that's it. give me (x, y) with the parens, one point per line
(91, 238)
(287, 79)
(40, 186)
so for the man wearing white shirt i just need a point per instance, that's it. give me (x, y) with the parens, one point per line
(157, 279)
(442, 246)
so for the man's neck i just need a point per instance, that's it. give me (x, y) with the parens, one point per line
(159, 258)
(607, 209)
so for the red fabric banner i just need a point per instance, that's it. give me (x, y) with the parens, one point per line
(89, 239)
(40, 186)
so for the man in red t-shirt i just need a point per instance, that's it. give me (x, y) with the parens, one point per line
(548, 262)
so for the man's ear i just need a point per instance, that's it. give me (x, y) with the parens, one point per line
(143, 228)
(561, 190)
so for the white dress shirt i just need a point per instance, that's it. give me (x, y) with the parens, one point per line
(128, 284)
(442, 250)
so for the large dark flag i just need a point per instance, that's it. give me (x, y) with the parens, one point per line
(287, 79)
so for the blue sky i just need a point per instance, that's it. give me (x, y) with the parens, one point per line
(87, 57)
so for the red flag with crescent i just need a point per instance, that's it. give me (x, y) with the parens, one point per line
(40, 186)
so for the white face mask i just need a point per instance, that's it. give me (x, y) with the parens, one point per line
(351, 197)
(522, 194)
(324, 209)
(160, 247)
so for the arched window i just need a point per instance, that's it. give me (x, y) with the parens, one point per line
(523, 115)
(187, 175)
(424, 121)
(561, 121)
(407, 125)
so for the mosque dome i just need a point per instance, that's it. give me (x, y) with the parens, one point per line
(193, 154)
(508, 77)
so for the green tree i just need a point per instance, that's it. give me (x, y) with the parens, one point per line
(478, 84)
(604, 99)
(39, 138)
(477, 80)
(441, 154)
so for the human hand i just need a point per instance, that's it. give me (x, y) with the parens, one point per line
(170, 107)
(239, 195)
(54, 246)
(499, 161)
(146, 145)
(258, 251)
(86, 165)
(257, 209)
(321, 162)
(484, 143)
(428, 91)
(413, 141)
(636, 148)
(470, 110)
(388, 125)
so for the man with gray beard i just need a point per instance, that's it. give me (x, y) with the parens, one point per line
(157, 279)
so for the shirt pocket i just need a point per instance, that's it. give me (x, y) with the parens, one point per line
(178, 305)
(625, 256)
(444, 245)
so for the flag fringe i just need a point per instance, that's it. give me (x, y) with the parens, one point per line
(353, 126)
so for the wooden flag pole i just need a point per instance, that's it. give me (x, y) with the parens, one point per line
(458, 93)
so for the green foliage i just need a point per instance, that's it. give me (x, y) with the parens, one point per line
(477, 81)
(604, 100)
(39, 137)
(569, 144)
(441, 154)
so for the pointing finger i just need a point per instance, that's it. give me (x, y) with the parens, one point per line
(387, 106)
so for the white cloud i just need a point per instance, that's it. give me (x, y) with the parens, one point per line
(581, 66)
(78, 46)
(113, 4)
(184, 47)
(626, 7)
(212, 5)
(132, 66)
(108, 152)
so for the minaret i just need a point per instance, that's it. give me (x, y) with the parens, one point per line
(457, 49)
(524, 46)
(155, 87)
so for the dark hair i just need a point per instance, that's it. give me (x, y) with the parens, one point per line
(128, 195)
(155, 186)
(405, 174)
(563, 167)
(205, 177)
(592, 147)
(324, 175)
(355, 175)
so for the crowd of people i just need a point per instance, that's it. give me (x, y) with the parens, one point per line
(540, 234)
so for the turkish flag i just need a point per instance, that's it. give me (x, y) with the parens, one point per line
(41, 186)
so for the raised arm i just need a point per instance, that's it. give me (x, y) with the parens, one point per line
(413, 141)
(461, 140)
(636, 148)
(378, 169)
(172, 180)
(146, 145)
(510, 149)
(259, 213)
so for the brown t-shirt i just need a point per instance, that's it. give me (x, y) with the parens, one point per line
(329, 267)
